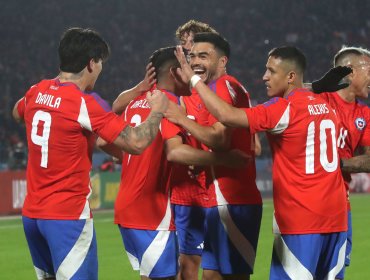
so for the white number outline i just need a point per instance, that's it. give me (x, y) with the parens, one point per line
(42, 140)
(310, 147)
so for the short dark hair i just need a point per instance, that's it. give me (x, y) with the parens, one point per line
(163, 58)
(78, 46)
(193, 26)
(347, 51)
(291, 54)
(215, 39)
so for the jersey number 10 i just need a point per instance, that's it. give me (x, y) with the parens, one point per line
(310, 147)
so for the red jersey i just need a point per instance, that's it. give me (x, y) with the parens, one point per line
(185, 190)
(354, 129)
(60, 123)
(143, 200)
(234, 185)
(309, 192)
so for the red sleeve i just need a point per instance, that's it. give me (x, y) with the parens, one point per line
(365, 139)
(225, 92)
(169, 130)
(272, 115)
(107, 125)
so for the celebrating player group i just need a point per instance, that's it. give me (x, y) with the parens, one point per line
(186, 137)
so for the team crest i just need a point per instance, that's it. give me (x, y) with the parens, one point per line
(360, 123)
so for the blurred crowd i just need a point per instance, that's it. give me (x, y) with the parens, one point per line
(135, 28)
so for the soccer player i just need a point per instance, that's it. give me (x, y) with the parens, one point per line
(310, 216)
(184, 34)
(61, 121)
(235, 205)
(142, 208)
(354, 119)
(191, 193)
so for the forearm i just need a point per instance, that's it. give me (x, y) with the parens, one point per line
(187, 155)
(134, 140)
(205, 134)
(110, 149)
(356, 164)
(225, 113)
(124, 98)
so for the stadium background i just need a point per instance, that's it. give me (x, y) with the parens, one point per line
(30, 32)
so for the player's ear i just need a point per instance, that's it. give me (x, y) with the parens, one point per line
(174, 74)
(89, 65)
(291, 77)
(223, 61)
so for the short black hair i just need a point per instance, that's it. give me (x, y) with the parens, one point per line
(291, 54)
(215, 39)
(163, 58)
(78, 46)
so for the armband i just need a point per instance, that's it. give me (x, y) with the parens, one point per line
(193, 81)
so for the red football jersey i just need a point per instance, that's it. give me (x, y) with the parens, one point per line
(186, 190)
(60, 123)
(309, 192)
(354, 129)
(143, 200)
(234, 185)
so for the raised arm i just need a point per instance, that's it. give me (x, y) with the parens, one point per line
(124, 98)
(225, 113)
(15, 113)
(135, 139)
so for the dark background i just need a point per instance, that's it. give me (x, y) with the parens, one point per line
(30, 33)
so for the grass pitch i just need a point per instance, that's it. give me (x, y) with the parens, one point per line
(15, 261)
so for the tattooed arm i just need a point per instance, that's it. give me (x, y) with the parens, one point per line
(357, 164)
(134, 140)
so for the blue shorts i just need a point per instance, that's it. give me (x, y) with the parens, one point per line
(153, 252)
(65, 249)
(308, 256)
(231, 238)
(190, 227)
(348, 247)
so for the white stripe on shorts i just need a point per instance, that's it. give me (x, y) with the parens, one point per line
(154, 252)
(41, 275)
(77, 255)
(341, 258)
(241, 243)
(290, 263)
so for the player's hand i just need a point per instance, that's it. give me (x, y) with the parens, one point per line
(175, 113)
(158, 101)
(149, 79)
(185, 71)
(331, 81)
(236, 159)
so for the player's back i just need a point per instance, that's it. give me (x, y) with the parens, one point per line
(59, 122)
(143, 199)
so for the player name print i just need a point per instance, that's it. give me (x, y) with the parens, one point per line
(140, 104)
(317, 109)
(48, 100)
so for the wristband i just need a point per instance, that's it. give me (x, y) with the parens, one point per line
(193, 81)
